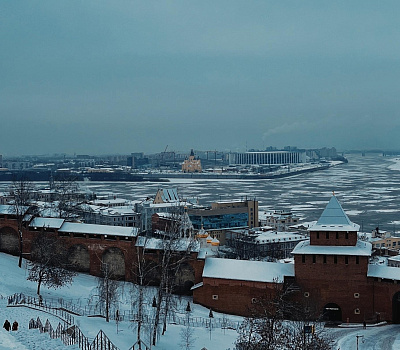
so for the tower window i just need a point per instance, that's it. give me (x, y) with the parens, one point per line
(357, 259)
(346, 260)
(324, 259)
(317, 235)
(303, 258)
(313, 259)
(335, 259)
(337, 235)
(327, 235)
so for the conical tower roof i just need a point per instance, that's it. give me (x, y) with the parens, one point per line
(333, 218)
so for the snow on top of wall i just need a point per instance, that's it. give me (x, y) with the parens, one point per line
(360, 249)
(181, 244)
(72, 227)
(246, 270)
(46, 222)
(382, 271)
(277, 236)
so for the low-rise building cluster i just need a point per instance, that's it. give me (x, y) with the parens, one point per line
(227, 259)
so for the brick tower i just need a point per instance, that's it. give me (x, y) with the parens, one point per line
(331, 268)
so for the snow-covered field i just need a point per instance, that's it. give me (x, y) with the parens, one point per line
(13, 280)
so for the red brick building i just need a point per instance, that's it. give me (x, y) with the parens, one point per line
(231, 286)
(89, 246)
(332, 272)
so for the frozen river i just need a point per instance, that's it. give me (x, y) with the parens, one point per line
(367, 187)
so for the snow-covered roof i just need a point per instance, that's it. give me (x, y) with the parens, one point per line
(167, 215)
(333, 218)
(177, 204)
(47, 222)
(10, 209)
(110, 211)
(360, 249)
(72, 227)
(149, 243)
(229, 201)
(108, 202)
(197, 285)
(275, 236)
(179, 245)
(169, 195)
(303, 225)
(206, 253)
(394, 258)
(125, 210)
(246, 270)
(277, 214)
(382, 271)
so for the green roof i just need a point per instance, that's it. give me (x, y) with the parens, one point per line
(333, 218)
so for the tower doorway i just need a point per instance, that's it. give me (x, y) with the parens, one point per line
(332, 312)
(396, 308)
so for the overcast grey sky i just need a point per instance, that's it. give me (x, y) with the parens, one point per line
(93, 76)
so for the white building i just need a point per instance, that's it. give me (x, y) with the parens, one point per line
(278, 219)
(267, 158)
(115, 215)
(263, 242)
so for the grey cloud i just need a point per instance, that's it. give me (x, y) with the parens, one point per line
(139, 75)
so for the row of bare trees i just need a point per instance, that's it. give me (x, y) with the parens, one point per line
(174, 249)
(158, 262)
(50, 265)
(278, 322)
(65, 199)
(49, 259)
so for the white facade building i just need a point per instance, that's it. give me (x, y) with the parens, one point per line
(267, 158)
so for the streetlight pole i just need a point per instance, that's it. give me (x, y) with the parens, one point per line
(358, 337)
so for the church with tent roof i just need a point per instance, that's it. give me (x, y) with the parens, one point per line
(332, 271)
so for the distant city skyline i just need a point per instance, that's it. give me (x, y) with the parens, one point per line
(211, 152)
(114, 77)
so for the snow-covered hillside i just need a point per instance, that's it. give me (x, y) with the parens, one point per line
(13, 280)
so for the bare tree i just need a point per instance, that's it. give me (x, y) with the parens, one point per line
(175, 247)
(49, 265)
(277, 322)
(144, 270)
(67, 197)
(21, 190)
(187, 333)
(107, 289)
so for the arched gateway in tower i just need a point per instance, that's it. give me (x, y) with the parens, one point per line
(332, 312)
(396, 308)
